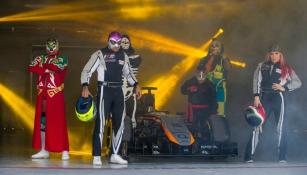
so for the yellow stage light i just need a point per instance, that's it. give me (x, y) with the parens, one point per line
(238, 63)
(169, 81)
(50, 13)
(84, 11)
(139, 12)
(160, 43)
(26, 113)
(19, 106)
(155, 42)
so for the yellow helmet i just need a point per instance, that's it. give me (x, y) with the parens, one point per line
(85, 109)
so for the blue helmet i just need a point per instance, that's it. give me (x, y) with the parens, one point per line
(85, 109)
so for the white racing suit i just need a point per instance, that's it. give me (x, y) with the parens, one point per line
(111, 67)
(273, 101)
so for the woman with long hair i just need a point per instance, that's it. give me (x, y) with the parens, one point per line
(272, 79)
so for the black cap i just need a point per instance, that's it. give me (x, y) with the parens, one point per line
(275, 48)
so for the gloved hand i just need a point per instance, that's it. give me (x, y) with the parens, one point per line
(192, 89)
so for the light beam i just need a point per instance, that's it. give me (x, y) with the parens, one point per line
(169, 81)
(26, 113)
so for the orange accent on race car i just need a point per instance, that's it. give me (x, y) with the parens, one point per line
(169, 135)
(192, 140)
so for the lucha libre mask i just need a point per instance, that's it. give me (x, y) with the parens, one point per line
(216, 48)
(201, 76)
(114, 41)
(52, 46)
(125, 43)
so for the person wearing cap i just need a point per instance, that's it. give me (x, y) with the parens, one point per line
(215, 66)
(272, 79)
(111, 64)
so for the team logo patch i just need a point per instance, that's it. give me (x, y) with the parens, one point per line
(110, 58)
(265, 67)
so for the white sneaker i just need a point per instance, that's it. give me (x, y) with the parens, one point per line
(97, 160)
(282, 161)
(65, 155)
(249, 161)
(115, 158)
(43, 154)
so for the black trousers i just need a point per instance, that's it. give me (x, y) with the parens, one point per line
(201, 128)
(130, 113)
(110, 103)
(273, 103)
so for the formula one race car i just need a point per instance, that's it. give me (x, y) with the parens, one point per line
(159, 133)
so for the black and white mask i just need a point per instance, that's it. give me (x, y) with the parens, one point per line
(201, 76)
(125, 43)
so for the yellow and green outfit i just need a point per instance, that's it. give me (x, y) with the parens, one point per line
(215, 68)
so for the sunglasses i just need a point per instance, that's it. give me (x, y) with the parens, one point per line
(114, 42)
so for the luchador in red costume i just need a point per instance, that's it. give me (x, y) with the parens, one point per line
(50, 131)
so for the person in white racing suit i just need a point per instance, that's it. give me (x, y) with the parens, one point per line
(111, 64)
(273, 78)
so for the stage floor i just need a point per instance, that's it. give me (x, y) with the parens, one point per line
(81, 165)
(15, 153)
